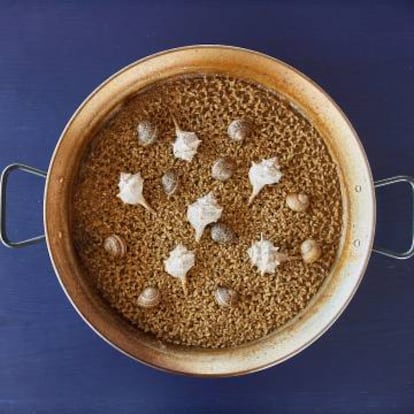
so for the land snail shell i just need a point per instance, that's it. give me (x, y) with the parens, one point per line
(147, 133)
(298, 202)
(115, 246)
(223, 169)
(149, 298)
(310, 250)
(239, 130)
(169, 182)
(226, 297)
(221, 233)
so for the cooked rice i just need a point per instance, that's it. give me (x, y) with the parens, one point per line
(206, 105)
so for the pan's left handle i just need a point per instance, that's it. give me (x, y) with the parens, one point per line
(3, 187)
(410, 252)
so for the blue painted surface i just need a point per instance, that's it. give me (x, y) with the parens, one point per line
(52, 54)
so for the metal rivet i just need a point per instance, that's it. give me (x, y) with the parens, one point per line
(357, 243)
(358, 188)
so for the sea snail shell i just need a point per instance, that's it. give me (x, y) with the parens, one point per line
(310, 250)
(238, 130)
(147, 133)
(223, 169)
(115, 246)
(169, 182)
(226, 297)
(186, 143)
(297, 201)
(149, 297)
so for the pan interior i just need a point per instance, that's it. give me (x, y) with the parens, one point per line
(356, 190)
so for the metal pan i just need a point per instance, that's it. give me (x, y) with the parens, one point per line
(358, 197)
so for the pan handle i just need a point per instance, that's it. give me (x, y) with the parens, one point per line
(410, 252)
(3, 186)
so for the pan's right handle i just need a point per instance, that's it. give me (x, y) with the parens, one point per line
(3, 186)
(410, 252)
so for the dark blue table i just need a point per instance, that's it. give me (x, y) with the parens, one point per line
(52, 54)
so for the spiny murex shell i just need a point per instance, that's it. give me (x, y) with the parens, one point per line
(311, 251)
(147, 133)
(178, 264)
(223, 169)
(239, 129)
(186, 143)
(202, 212)
(131, 187)
(263, 173)
(265, 256)
(222, 233)
(298, 202)
(149, 297)
(169, 182)
(115, 246)
(226, 297)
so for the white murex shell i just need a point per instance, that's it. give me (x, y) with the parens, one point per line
(265, 256)
(178, 264)
(131, 187)
(263, 173)
(186, 143)
(202, 212)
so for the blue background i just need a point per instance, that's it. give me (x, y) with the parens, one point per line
(52, 54)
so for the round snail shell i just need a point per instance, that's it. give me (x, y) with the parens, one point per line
(238, 130)
(115, 246)
(310, 250)
(147, 133)
(222, 233)
(149, 297)
(223, 169)
(297, 201)
(226, 297)
(169, 182)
